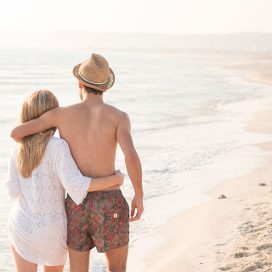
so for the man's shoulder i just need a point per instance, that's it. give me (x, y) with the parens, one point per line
(71, 107)
(68, 111)
(116, 112)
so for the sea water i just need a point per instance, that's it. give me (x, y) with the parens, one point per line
(174, 100)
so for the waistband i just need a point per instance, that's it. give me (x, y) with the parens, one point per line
(101, 194)
(105, 193)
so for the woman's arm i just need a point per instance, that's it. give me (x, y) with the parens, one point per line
(12, 183)
(98, 184)
(77, 185)
(47, 120)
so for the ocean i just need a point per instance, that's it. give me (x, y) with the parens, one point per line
(174, 99)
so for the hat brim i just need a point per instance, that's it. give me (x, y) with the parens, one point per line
(99, 87)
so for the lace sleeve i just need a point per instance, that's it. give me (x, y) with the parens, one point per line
(70, 176)
(12, 183)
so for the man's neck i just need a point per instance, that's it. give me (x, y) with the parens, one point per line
(93, 99)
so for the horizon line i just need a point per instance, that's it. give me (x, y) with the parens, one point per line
(130, 33)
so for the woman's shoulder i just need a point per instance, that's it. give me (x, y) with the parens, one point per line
(57, 143)
(58, 148)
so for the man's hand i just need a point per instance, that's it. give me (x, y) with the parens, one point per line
(136, 204)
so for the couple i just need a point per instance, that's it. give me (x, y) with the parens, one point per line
(82, 162)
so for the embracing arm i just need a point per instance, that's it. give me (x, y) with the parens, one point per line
(48, 120)
(133, 164)
(98, 184)
(77, 185)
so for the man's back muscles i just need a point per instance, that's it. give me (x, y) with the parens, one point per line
(91, 134)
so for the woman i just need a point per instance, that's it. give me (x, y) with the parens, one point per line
(40, 170)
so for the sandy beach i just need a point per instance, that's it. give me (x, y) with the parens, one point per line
(232, 230)
(255, 69)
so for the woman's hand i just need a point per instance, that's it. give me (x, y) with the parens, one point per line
(119, 177)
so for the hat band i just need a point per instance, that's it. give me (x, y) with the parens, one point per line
(92, 82)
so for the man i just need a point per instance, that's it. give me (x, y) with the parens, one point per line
(92, 129)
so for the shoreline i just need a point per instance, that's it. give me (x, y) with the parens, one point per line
(254, 69)
(208, 236)
(217, 234)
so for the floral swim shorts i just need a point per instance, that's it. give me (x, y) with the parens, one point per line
(101, 221)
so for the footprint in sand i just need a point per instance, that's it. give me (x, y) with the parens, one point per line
(244, 248)
(219, 245)
(264, 246)
(250, 268)
(226, 268)
(240, 254)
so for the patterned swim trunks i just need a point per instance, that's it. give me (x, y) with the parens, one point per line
(101, 221)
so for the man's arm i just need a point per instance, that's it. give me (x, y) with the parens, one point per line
(133, 164)
(47, 120)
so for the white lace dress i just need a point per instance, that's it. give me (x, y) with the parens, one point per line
(37, 221)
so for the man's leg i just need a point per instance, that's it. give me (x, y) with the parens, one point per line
(117, 259)
(79, 260)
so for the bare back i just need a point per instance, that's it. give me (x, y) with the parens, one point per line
(92, 130)
(91, 134)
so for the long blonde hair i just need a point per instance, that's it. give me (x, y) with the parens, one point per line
(32, 148)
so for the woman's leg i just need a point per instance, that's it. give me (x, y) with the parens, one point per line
(58, 268)
(21, 264)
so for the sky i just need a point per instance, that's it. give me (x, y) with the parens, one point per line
(141, 16)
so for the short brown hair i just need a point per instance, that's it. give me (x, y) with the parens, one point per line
(91, 90)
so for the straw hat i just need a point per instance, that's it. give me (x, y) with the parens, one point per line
(95, 73)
